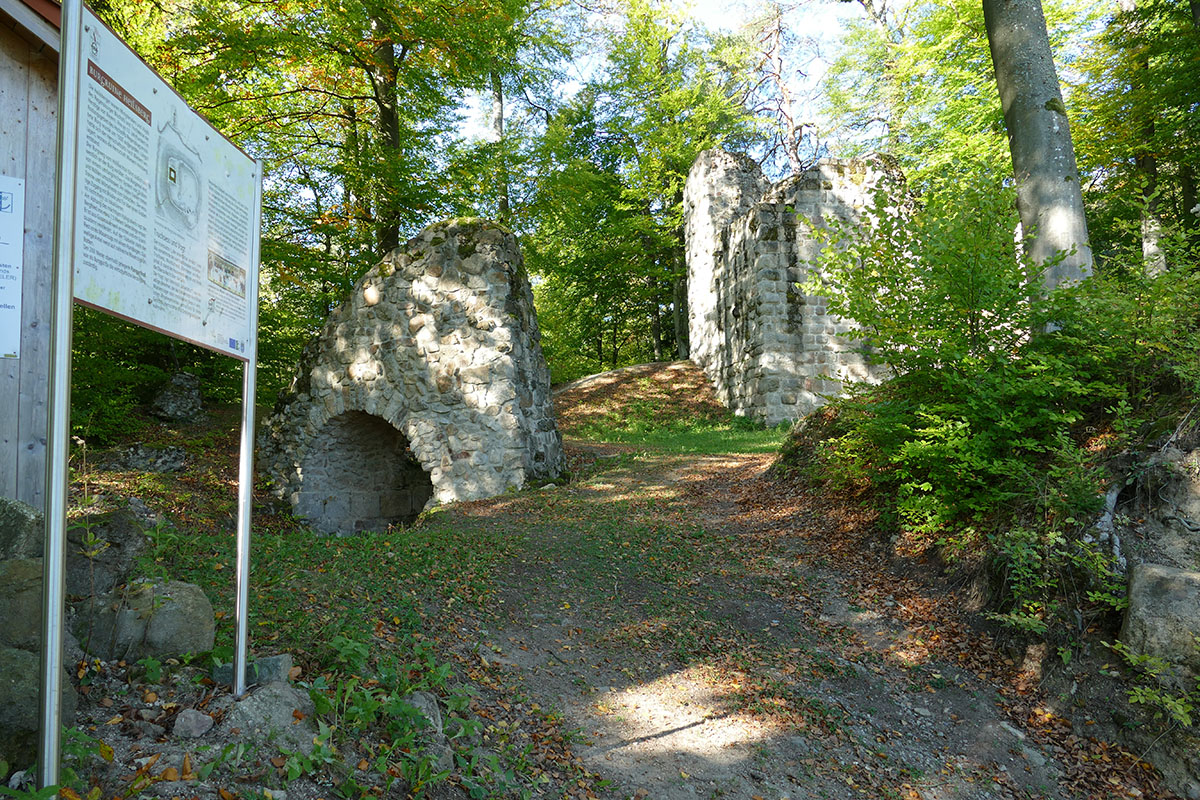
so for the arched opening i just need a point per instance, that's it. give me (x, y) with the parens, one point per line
(358, 475)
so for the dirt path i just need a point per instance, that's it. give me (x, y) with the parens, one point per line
(665, 626)
(706, 647)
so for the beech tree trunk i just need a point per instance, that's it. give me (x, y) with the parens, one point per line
(679, 317)
(498, 132)
(1049, 198)
(384, 74)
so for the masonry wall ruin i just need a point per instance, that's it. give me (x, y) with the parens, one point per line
(771, 351)
(427, 384)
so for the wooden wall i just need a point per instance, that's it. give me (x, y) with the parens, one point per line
(28, 133)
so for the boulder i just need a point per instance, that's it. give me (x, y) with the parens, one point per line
(95, 567)
(275, 713)
(21, 603)
(20, 676)
(1163, 618)
(179, 400)
(22, 530)
(150, 619)
(270, 669)
(426, 705)
(192, 724)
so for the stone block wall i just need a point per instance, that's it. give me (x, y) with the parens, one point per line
(426, 384)
(771, 350)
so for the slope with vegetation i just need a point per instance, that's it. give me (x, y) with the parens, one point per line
(678, 621)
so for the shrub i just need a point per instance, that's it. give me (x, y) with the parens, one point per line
(979, 438)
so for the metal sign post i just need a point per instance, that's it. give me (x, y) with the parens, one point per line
(158, 220)
(59, 422)
(246, 473)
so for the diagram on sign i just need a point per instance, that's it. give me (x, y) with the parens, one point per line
(179, 190)
(226, 274)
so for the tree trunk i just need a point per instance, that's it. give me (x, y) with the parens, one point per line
(656, 329)
(383, 77)
(1195, 6)
(679, 316)
(771, 42)
(498, 132)
(1049, 198)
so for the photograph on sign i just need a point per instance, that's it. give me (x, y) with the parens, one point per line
(165, 205)
(12, 248)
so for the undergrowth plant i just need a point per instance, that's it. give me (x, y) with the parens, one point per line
(984, 439)
(378, 712)
(1159, 686)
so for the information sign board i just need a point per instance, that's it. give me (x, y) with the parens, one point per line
(12, 248)
(165, 205)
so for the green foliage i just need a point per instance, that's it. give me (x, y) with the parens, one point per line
(79, 751)
(352, 707)
(605, 221)
(1137, 90)
(1154, 689)
(918, 84)
(976, 440)
(153, 668)
(118, 366)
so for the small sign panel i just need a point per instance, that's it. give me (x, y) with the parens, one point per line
(165, 205)
(12, 250)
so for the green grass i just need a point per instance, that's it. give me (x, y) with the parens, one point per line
(646, 424)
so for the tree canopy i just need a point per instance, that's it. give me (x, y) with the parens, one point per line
(576, 126)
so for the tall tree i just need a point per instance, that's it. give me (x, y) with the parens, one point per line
(771, 52)
(613, 164)
(1140, 137)
(1049, 197)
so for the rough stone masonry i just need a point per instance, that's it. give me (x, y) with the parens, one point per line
(426, 384)
(771, 350)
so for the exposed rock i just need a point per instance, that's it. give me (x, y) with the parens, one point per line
(179, 400)
(20, 678)
(147, 516)
(1163, 618)
(140, 458)
(22, 530)
(21, 603)
(101, 551)
(770, 350)
(1168, 527)
(269, 713)
(271, 669)
(427, 705)
(427, 384)
(147, 620)
(191, 723)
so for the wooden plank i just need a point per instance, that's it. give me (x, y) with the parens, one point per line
(14, 102)
(40, 187)
(37, 25)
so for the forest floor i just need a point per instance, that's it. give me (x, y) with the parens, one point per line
(676, 622)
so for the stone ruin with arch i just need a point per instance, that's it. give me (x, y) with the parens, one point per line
(427, 384)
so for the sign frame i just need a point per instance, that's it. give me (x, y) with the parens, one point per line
(59, 416)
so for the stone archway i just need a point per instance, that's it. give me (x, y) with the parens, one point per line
(427, 384)
(361, 474)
